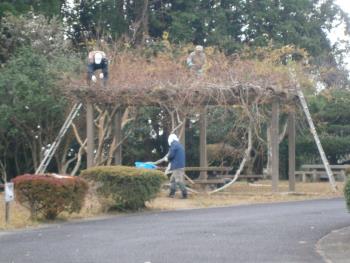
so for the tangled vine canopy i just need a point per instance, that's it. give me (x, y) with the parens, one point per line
(164, 80)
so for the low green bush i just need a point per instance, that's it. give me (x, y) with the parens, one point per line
(128, 187)
(347, 193)
(49, 194)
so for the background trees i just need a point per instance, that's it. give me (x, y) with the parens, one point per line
(47, 7)
(35, 58)
(231, 25)
(36, 54)
(231, 22)
(332, 117)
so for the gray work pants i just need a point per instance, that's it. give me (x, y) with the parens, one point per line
(178, 179)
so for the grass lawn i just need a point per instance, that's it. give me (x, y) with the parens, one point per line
(19, 216)
(248, 193)
(239, 193)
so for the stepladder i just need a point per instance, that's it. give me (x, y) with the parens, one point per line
(313, 131)
(49, 153)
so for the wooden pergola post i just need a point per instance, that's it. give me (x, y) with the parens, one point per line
(203, 162)
(118, 137)
(275, 145)
(90, 134)
(291, 150)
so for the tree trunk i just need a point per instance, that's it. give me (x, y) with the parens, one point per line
(141, 25)
(90, 134)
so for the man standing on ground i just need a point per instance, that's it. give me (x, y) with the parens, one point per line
(176, 157)
(97, 60)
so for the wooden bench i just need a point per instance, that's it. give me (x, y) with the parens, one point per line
(251, 177)
(211, 181)
(217, 175)
(317, 172)
(220, 169)
(223, 177)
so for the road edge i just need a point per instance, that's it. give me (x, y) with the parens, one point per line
(335, 246)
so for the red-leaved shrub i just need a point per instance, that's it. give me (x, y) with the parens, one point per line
(50, 194)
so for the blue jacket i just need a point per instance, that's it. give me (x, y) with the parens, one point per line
(176, 156)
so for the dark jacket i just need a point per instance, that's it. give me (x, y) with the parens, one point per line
(176, 156)
(92, 67)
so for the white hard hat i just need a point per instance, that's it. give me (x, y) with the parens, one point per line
(172, 137)
(98, 58)
(199, 48)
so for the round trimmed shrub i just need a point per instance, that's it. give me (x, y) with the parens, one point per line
(347, 193)
(128, 187)
(50, 194)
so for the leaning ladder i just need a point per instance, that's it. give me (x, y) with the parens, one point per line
(51, 151)
(302, 100)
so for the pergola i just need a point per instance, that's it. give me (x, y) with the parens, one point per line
(166, 82)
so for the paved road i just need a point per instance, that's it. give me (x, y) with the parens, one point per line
(284, 232)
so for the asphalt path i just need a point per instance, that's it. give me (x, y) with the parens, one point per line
(282, 232)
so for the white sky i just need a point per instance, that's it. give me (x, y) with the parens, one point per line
(344, 4)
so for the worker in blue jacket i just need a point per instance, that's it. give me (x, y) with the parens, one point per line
(176, 158)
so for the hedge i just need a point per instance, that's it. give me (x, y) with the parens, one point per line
(50, 194)
(347, 193)
(128, 187)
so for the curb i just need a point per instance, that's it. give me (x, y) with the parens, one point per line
(335, 247)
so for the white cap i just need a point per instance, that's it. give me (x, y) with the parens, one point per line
(172, 137)
(98, 58)
(199, 48)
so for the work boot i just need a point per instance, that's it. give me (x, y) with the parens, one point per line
(184, 195)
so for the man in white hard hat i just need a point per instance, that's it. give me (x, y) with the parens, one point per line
(176, 157)
(197, 59)
(97, 60)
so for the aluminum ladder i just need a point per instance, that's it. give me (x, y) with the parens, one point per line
(313, 131)
(53, 147)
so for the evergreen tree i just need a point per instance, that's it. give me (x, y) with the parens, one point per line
(47, 7)
(331, 113)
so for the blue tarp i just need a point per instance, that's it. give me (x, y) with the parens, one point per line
(145, 165)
